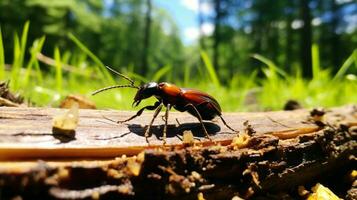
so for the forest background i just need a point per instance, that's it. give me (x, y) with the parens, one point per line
(251, 55)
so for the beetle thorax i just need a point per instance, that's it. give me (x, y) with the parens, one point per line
(168, 93)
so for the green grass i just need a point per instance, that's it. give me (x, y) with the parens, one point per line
(2, 58)
(242, 93)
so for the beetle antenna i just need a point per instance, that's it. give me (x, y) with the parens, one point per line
(122, 75)
(114, 86)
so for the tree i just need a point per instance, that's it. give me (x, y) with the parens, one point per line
(306, 38)
(289, 11)
(146, 47)
(217, 32)
(200, 24)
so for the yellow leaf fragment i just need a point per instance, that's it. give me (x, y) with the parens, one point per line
(237, 198)
(63, 173)
(322, 193)
(188, 137)
(95, 195)
(200, 196)
(134, 167)
(353, 175)
(240, 141)
(141, 157)
(67, 121)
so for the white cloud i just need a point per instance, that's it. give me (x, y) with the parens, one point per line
(190, 4)
(206, 8)
(296, 24)
(248, 29)
(316, 21)
(207, 28)
(343, 1)
(194, 5)
(352, 23)
(193, 33)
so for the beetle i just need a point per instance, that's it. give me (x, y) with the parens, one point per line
(199, 104)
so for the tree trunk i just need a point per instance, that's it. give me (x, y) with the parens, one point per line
(217, 33)
(335, 38)
(289, 37)
(306, 39)
(200, 24)
(146, 42)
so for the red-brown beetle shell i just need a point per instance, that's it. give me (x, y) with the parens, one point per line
(206, 105)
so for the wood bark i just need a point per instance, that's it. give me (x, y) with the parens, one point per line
(280, 151)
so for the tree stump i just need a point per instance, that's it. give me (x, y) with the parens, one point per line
(272, 155)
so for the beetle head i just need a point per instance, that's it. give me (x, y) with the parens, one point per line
(145, 91)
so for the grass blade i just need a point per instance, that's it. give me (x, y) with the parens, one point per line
(2, 58)
(15, 68)
(348, 62)
(161, 72)
(58, 70)
(186, 75)
(105, 73)
(23, 43)
(211, 71)
(35, 49)
(355, 56)
(272, 67)
(38, 73)
(19, 55)
(315, 61)
(137, 77)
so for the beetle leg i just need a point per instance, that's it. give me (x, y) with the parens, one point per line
(225, 123)
(178, 122)
(153, 107)
(168, 106)
(200, 119)
(157, 111)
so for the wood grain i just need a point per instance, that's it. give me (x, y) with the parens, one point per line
(27, 132)
(288, 150)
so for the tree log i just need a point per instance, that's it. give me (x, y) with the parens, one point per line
(276, 153)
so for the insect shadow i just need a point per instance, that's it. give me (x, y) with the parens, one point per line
(64, 136)
(173, 130)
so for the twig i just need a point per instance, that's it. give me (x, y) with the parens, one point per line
(51, 62)
(5, 102)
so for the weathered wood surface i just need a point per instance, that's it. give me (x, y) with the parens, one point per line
(31, 129)
(286, 151)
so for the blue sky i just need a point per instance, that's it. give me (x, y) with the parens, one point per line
(184, 13)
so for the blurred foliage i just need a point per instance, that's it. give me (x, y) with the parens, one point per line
(114, 33)
(242, 93)
(258, 48)
(281, 31)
